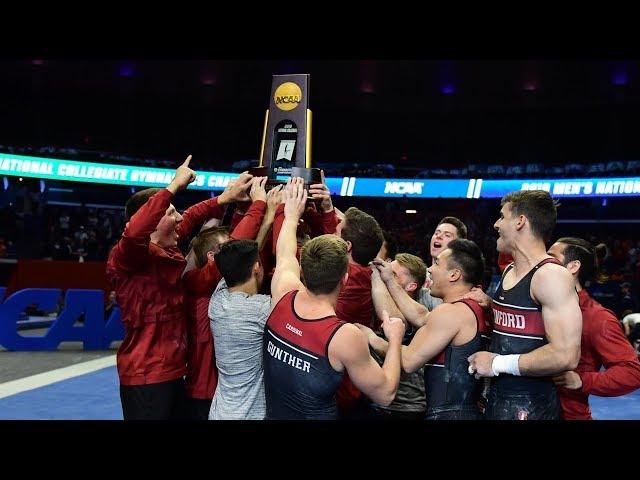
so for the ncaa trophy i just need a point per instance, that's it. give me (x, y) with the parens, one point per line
(286, 138)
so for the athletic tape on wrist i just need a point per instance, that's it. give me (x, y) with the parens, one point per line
(506, 364)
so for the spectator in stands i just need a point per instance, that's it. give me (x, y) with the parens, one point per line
(66, 249)
(64, 222)
(604, 258)
(32, 310)
(631, 325)
(110, 305)
(92, 218)
(106, 226)
(628, 300)
(92, 247)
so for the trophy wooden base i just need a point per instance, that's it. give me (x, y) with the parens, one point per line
(309, 175)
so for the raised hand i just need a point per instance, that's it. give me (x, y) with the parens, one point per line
(479, 296)
(384, 268)
(320, 191)
(237, 190)
(375, 274)
(274, 198)
(295, 198)
(183, 177)
(257, 191)
(393, 327)
(570, 380)
(370, 334)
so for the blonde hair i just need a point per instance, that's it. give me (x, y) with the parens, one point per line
(416, 267)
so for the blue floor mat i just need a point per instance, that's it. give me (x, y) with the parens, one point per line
(616, 408)
(95, 396)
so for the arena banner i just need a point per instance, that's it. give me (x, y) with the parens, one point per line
(575, 187)
(72, 170)
(55, 169)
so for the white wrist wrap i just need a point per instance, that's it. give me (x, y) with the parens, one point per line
(505, 364)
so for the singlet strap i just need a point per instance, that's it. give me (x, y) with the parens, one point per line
(547, 260)
(469, 303)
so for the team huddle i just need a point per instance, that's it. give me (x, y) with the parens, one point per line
(297, 310)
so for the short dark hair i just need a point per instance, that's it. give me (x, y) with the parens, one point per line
(324, 261)
(137, 200)
(206, 241)
(392, 245)
(467, 256)
(456, 222)
(539, 208)
(235, 260)
(581, 250)
(364, 233)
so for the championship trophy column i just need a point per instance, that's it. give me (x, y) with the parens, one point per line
(286, 139)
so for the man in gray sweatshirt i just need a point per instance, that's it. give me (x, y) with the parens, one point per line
(237, 316)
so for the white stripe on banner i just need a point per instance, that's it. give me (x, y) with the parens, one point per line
(476, 194)
(345, 184)
(472, 183)
(352, 185)
(47, 378)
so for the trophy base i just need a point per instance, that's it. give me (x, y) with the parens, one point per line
(264, 172)
(309, 175)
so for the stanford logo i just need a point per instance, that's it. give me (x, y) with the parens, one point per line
(508, 320)
(523, 414)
